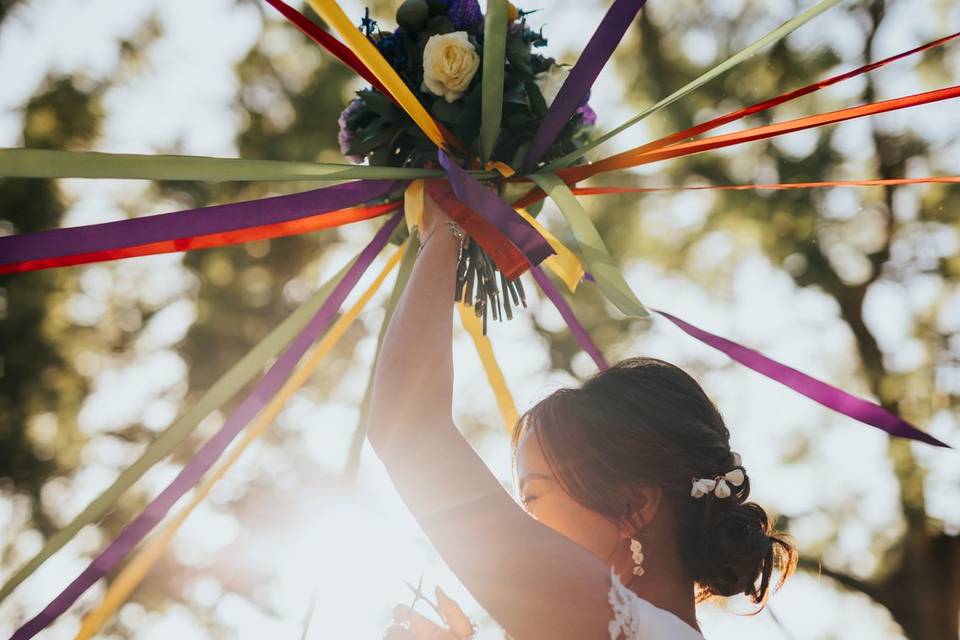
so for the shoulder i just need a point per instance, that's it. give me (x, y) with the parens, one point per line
(637, 619)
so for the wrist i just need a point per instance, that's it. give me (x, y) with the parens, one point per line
(453, 236)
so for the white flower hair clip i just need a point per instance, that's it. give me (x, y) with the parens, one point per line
(719, 485)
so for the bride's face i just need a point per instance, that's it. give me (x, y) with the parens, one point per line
(544, 499)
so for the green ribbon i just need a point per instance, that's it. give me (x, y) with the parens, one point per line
(403, 275)
(44, 163)
(593, 252)
(494, 60)
(751, 50)
(216, 396)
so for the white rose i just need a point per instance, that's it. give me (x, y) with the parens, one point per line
(550, 81)
(449, 64)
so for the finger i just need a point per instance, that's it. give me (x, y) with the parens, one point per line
(398, 632)
(452, 614)
(426, 629)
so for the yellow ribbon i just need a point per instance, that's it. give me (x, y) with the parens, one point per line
(333, 15)
(413, 205)
(135, 571)
(502, 167)
(508, 410)
(564, 263)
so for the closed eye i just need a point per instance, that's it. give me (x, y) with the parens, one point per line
(526, 500)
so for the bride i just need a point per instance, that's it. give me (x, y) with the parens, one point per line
(633, 505)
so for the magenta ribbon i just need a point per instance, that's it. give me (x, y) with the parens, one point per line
(471, 192)
(829, 396)
(577, 329)
(55, 243)
(193, 471)
(575, 88)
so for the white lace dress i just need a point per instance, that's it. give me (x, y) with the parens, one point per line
(637, 619)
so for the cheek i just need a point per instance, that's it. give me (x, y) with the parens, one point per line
(587, 528)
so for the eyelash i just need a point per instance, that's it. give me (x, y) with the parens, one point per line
(526, 500)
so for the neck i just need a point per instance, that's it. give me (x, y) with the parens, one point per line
(665, 585)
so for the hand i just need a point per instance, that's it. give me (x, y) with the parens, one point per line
(410, 625)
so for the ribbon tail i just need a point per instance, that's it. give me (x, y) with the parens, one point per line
(829, 396)
(360, 434)
(577, 329)
(745, 54)
(598, 260)
(177, 226)
(136, 570)
(505, 403)
(577, 85)
(192, 472)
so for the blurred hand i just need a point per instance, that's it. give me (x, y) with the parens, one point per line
(410, 625)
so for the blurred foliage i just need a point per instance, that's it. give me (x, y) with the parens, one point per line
(288, 104)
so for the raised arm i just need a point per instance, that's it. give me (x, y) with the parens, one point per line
(535, 582)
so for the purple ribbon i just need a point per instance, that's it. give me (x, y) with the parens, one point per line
(201, 462)
(577, 329)
(55, 243)
(829, 396)
(575, 88)
(495, 211)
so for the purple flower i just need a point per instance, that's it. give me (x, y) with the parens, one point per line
(464, 14)
(588, 117)
(345, 135)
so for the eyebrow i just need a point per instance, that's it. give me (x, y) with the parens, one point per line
(533, 476)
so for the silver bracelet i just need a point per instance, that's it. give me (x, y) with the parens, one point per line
(455, 230)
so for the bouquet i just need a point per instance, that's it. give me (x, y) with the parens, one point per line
(437, 51)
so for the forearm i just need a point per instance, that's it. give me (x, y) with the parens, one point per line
(413, 381)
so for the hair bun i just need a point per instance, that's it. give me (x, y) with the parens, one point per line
(738, 548)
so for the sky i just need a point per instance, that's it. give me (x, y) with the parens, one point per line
(359, 546)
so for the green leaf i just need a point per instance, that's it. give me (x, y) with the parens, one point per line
(451, 112)
(751, 50)
(494, 60)
(538, 106)
(593, 252)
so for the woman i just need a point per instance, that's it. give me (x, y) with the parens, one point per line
(633, 504)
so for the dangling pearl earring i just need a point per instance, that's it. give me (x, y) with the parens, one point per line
(636, 549)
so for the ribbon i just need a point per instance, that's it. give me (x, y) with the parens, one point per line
(55, 163)
(110, 236)
(565, 264)
(787, 97)
(577, 85)
(577, 329)
(494, 61)
(413, 205)
(328, 42)
(829, 396)
(138, 567)
(505, 403)
(333, 15)
(748, 52)
(594, 253)
(360, 433)
(885, 182)
(208, 454)
(497, 212)
(266, 232)
(633, 157)
(216, 396)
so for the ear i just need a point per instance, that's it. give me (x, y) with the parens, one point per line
(642, 507)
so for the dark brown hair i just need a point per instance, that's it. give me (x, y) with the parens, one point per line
(645, 421)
